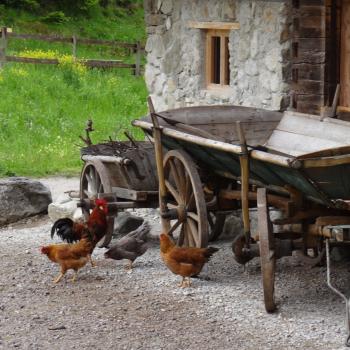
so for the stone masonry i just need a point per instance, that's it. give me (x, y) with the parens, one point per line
(259, 52)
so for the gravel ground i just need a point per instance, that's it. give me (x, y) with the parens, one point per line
(108, 308)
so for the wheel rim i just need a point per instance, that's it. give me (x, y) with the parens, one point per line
(186, 197)
(94, 182)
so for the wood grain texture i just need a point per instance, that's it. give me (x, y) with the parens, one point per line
(345, 55)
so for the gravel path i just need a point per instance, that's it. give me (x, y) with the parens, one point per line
(108, 308)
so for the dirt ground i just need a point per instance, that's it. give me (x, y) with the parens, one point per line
(108, 308)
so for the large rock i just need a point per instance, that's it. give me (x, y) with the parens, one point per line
(125, 223)
(64, 207)
(21, 197)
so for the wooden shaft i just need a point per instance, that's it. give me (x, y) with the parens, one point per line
(157, 136)
(244, 162)
(335, 102)
(273, 200)
(138, 59)
(74, 48)
(3, 45)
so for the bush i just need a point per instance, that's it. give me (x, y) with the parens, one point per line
(55, 17)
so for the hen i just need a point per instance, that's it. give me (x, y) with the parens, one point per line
(70, 231)
(70, 256)
(131, 246)
(183, 261)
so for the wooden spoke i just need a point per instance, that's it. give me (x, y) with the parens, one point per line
(95, 180)
(174, 227)
(175, 175)
(185, 193)
(173, 192)
(171, 206)
(182, 173)
(193, 231)
(191, 202)
(188, 188)
(88, 193)
(193, 216)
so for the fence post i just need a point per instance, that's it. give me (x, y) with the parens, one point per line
(3, 44)
(74, 41)
(138, 59)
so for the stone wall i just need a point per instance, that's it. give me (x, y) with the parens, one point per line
(259, 52)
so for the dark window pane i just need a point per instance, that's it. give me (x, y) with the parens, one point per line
(216, 59)
(227, 62)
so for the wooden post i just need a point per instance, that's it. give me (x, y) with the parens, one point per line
(74, 42)
(3, 44)
(138, 59)
(244, 162)
(157, 136)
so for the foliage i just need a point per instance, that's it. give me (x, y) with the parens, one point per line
(44, 108)
(55, 17)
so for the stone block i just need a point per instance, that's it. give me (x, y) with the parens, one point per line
(155, 19)
(167, 7)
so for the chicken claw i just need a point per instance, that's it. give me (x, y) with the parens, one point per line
(74, 278)
(93, 264)
(58, 278)
(129, 266)
(185, 283)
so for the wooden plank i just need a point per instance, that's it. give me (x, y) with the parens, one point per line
(214, 25)
(296, 145)
(304, 86)
(90, 63)
(309, 71)
(345, 55)
(298, 134)
(49, 38)
(3, 44)
(127, 193)
(53, 38)
(32, 60)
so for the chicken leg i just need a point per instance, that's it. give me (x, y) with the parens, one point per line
(59, 277)
(93, 264)
(129, 266)
(74, 278)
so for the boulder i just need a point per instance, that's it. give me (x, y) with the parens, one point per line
(125, 223)
(21, 197)
(64, 207)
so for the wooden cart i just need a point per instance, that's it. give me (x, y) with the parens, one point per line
(224, 157)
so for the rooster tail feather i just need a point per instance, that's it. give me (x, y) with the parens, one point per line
(63, 228)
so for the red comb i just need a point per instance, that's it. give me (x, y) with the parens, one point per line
(100, 201)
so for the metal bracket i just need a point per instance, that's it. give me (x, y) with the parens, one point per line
(347, 342)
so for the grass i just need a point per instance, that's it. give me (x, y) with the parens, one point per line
(43, 109)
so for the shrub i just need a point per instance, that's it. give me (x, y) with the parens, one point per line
(55, 17)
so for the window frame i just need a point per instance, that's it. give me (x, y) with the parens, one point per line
(224, 58)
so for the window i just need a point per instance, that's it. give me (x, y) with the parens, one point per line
(217, 58)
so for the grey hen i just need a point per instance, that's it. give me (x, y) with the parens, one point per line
(131, 246)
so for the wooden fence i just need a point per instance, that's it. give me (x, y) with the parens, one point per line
(6, 34)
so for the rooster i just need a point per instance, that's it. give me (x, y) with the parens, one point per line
(184, 261)
(70, 231)
(131, 246)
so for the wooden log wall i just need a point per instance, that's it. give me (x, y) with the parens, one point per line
(315, 66)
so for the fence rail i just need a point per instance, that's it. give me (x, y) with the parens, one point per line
(6, 34)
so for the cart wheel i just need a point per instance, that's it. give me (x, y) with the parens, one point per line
(94, 181)
(185, 200)
(216, 223)
(267, 251)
